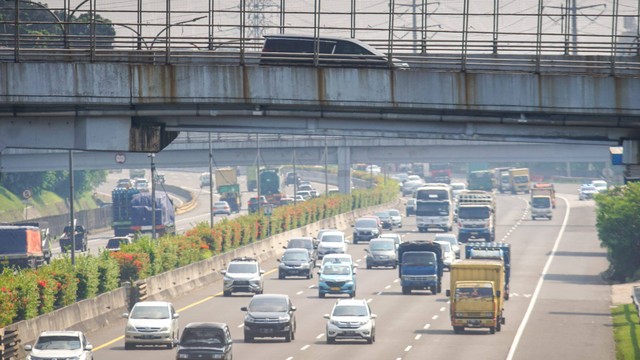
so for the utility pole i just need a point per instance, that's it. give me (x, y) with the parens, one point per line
(71, 214)
(210, 182)
(569, 14)
(153, 197)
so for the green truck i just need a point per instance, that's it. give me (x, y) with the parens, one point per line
(480, 180)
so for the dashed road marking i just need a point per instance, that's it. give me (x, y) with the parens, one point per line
(443, 308)
(305, 347)
(241, 326)
(427, 326)
(311, 286)
(434, 317)
(299, 292)
(369, 300)
(408, 348)
(387, 287)
(379, 293)
(320, 336)
(418, 337)
(396, 280)
(290, 358)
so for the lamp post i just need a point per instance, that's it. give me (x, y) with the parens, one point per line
(71, 215)
(153, 197)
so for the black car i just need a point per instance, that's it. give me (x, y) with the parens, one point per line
(269, 315)
(205, 340)
(365, 228)
(296, 262)
(292, 178)
(411, 207)
(307, 243)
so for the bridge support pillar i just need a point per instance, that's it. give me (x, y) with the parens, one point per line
(631, 159)
(344, 169)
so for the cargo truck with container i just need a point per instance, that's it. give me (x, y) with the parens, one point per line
(519, 180)
(545, 189)
(434, 207)
(226, 180)
(493, 251)
(476, 213)
(440, 173)
(480, 180)
(271, 186)
(132, 213)
(541, 203)
(420, 266)
(501, 179)
(476, 295)
(24, 245)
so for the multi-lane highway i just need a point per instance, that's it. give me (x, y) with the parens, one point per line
(559, 306)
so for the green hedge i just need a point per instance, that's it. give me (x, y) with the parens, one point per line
(28, 293)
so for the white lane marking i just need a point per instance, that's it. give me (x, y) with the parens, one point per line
(320, 336)
(311, 286)
(434, 317)
(241, 325)
(408, 348)
(523, 324)
(305, 347)
(298, 293)
(290, 358)
(356, 260)
(443, 308)
(379, 293)
(418, 337)
(427, 326)
(387, 287)
(396, 280)
(369, 300)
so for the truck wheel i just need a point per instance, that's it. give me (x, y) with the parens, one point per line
(406, 290)
(498, 326)
(433, 290)
(321, 295)
(458, 329)
(492, 330)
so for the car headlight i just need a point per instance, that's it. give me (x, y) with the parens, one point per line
(459, 314)
(183, 356)
(227, 279)
(350, 282)
(333, 322)
(255, 279)
(488, 314)
(131, 328)
(249, 318)
(305, 265)
(283, 318)
(164, 328)
(363, 323)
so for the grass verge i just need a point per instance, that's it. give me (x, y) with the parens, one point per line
(625, 332)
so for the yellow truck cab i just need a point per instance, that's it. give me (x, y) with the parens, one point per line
(475, 294)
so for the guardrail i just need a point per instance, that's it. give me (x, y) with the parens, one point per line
(9, 344)
(457, 34)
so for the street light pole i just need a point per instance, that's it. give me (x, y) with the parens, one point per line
(153, 197)
(71, 215)
(210, 182)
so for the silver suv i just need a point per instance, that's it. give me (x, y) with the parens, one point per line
(351, 319)
(60, 345)
(151, 323)
(243, 275)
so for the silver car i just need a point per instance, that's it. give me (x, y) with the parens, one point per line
(60, 345)
(151, 323)
(451, 239)
(243, 275)
(381, 252)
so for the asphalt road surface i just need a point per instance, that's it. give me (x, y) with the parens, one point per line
(558, 309)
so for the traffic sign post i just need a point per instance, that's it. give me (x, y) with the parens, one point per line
(120, 158)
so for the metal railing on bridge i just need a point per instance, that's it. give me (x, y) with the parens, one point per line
(461, 35)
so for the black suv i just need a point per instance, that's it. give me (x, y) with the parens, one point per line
(296, 262)
(292, 179)
(288, 49)
(365, 228)
(269, 315)
(205, 340)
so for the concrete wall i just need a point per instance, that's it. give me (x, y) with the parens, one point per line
(92, 314)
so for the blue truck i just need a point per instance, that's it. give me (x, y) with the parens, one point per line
(420, 266)
(492, 250)
(132, 212)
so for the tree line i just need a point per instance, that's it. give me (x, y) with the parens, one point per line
(84, 181)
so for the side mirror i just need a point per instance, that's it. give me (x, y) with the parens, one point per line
(278, 260)
(284, 247)
(176, 342)
(89, 347)
(261, 272)
(28, 348)
(176, 315)
(326, 316)
(448, 293)
(347, 241)
(125, 315)
(223, 272)
(498, 293)
(373, 316)
(352, 225)
(293, 308)
(244, 308)
(366, 250)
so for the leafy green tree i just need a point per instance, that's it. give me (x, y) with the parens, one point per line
(41, 27)
(618, 225)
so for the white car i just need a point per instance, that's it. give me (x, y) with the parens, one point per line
(451, 239)
(396, 217)
(351, 319)
(332, 242)
(221, 208)
(600, 185)
(60, 345)
(586, 192)
(448, 256)
(151, 323)
(142, 185)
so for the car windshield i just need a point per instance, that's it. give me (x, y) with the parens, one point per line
(297, 255)
(382, 246)
(383, 215)
(432, 209)
(450, 239)
(114, 243)
(336, 269)
(268, 305)
(350, 310)
(473, 213)
(202, 337)
(58, 343)
(541, 202)
(394, 212)
(332, 238)
(240, 268)
(419, 259)
(458, 186)
(366, 223)
(476, 293)
(446, 247)
(220, 204)
(150, 312)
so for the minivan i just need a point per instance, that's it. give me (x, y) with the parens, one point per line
(284, 49)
